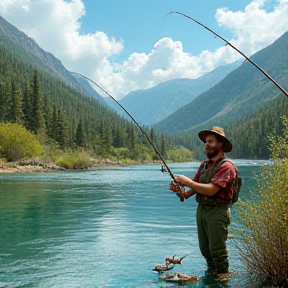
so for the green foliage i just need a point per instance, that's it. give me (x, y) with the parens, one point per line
(180, 154)
(75, 160)
(263, 243)
(80, 135)
(125, 155)
(17, 143)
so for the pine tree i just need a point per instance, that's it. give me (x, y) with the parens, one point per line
(3, 106)
(16, 107)
(152, 135)
(38, 122)
(60, 135)
(80, 135)
(119, 137)
(163, 146)
(27, 108)
(131, 137)
(7, 100)
(52, 129)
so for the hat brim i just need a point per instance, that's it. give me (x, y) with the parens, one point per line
(227, 147)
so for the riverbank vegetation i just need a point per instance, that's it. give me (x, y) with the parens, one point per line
(263, 243)
(17, 142)
(19, 145)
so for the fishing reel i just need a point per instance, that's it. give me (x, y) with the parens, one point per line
(163, 169)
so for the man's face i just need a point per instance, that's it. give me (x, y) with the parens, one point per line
(212, 146)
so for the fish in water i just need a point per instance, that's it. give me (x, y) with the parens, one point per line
(174, 260)
(179, 278)
(161, 268)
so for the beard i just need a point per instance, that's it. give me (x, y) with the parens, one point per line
(211, 152)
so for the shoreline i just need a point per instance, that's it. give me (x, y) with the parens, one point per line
(36, 166)
(14, 167)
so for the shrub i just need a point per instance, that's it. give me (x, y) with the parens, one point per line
(263, 243)
(75, 160)
(180, 154)
(17, 143)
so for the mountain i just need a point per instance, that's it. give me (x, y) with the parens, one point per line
(28, 51)
(88, 89)
(240, 93)
(39, 93)
(153, 105)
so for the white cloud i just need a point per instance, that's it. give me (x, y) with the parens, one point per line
(254, 28)
(55, 25)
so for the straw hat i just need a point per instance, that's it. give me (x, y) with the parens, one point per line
(227, 147)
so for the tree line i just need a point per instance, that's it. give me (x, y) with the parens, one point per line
(58, 112)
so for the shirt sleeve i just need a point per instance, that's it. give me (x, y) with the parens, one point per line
(226, 174)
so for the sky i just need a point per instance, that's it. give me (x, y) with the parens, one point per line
(129, 45)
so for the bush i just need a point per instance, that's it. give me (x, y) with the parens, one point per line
(180, 154)
(17, 143)
(263, 243)
(75, 160)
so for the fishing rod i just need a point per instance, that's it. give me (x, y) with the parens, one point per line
(181, 188)
(228, 43)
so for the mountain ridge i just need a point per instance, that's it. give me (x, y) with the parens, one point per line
(30, 52)
(238, 94)
(152, 105)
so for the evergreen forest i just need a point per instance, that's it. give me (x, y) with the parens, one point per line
(66, 118)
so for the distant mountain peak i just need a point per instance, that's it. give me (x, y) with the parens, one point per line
(154, 104)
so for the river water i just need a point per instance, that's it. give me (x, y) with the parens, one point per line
(102, 228)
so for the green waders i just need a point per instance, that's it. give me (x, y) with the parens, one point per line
(213, 218)
(212, 226)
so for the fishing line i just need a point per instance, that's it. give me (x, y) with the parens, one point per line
(228, 43)
(142, 131)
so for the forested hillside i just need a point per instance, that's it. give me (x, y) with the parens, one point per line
(49, 107)
(243, 91)
(249, 135)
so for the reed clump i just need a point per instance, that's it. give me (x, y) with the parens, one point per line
(263, 240)
(75, 160)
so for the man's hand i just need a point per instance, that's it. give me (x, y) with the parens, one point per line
(182, 180)
(175, 187)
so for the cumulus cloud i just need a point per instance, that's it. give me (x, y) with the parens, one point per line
(254, 28)
(55, 25)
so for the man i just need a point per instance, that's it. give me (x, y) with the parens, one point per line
(213, 186)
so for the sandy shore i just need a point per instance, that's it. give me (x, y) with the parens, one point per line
(38, 166)
(21, 168)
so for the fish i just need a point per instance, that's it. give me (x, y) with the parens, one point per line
(174, 260)
(163, 267)
(179, 278)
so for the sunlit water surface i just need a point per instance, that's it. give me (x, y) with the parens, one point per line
(101, 228)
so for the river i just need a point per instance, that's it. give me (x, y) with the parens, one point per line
(106, 227)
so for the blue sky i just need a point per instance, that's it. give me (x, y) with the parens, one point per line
(128, 45)
(142, 23)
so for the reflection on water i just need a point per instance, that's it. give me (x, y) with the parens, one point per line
(102, 228)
